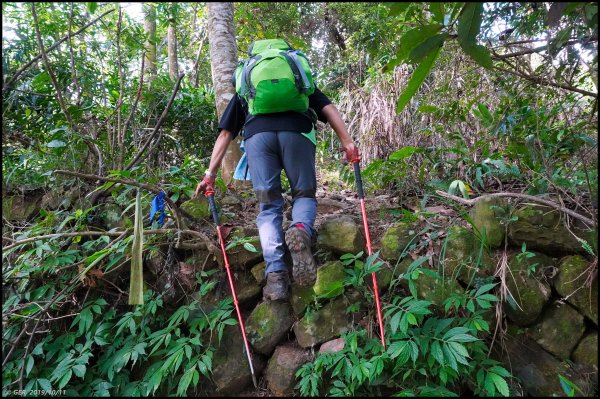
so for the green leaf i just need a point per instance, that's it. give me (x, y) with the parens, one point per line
(484, 288)
(91, 7)
(79, 370)
(395, 321)
(416, 80)
(56, 144)
(411, 40)
(29, 365)
(437, 9)
(45, 384)
(500, 384)
(250, 247)
(414, 37)
(479, 54)
(411, 319)
(436, 352)
(397, 8)
(469, 24)
(559, 41)
(185, 380)
(425, 48)
(65, 379)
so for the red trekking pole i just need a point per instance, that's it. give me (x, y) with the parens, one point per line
(361, 196)
(211, 201)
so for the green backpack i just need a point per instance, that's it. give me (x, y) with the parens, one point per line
(276, 78)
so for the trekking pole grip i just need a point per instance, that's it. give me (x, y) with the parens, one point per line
(213, 206)
(358, 179)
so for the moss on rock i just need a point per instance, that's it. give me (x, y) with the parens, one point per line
(528, 289)
(396, 239)
(558, 323)
(330, 280)
(486, 214)
(570, 283)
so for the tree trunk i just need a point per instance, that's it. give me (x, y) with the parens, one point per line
(172, 47)
(150, 45)
(223, 60)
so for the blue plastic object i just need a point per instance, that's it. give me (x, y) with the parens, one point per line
(158, 205)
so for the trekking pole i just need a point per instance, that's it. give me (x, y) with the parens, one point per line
(211, 201)
(361, 196)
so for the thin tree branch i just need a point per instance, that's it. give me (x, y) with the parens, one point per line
(55, 45)
(539, 80)
(552, 204)
(529, 51)
(158, 124)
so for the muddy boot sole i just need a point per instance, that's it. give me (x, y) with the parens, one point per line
(304, 265)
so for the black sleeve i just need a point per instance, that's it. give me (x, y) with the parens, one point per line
(234, 117)
(317, 101)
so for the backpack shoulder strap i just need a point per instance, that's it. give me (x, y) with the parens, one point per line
(301, 79)
(246, 84)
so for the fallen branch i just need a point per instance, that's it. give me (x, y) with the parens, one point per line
(552, 204)
(148, 187)
(207, 241)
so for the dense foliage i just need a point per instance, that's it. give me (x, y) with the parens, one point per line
(468, 98)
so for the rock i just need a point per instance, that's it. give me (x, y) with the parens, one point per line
(586, 351)
(341, 235)
(538, 370)
(282, 367)
(301, 297)
(528, 289)
(334, 345)
(21, 207)
(436, 289)
(246, 287)
(558, 323)
(465, 257)
(112, 217)
(241, 258)
(258, 272)
(485, 215)
(542, 228)
(330, 280)
(231, 201)
(231, 372)
(53, 199)
(327, 323)
(197, 208)
(396, 239)
(268, 323)
(154, 261)
(570, 283)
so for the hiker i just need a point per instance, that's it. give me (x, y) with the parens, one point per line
(274, 141)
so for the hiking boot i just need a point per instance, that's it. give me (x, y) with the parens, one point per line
(277, 287)
(304, 265)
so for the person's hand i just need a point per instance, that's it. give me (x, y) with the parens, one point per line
(352, 154)
(207, 184)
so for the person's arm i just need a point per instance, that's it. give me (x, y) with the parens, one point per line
(216, 158)
(339, 127)
(219, 151)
